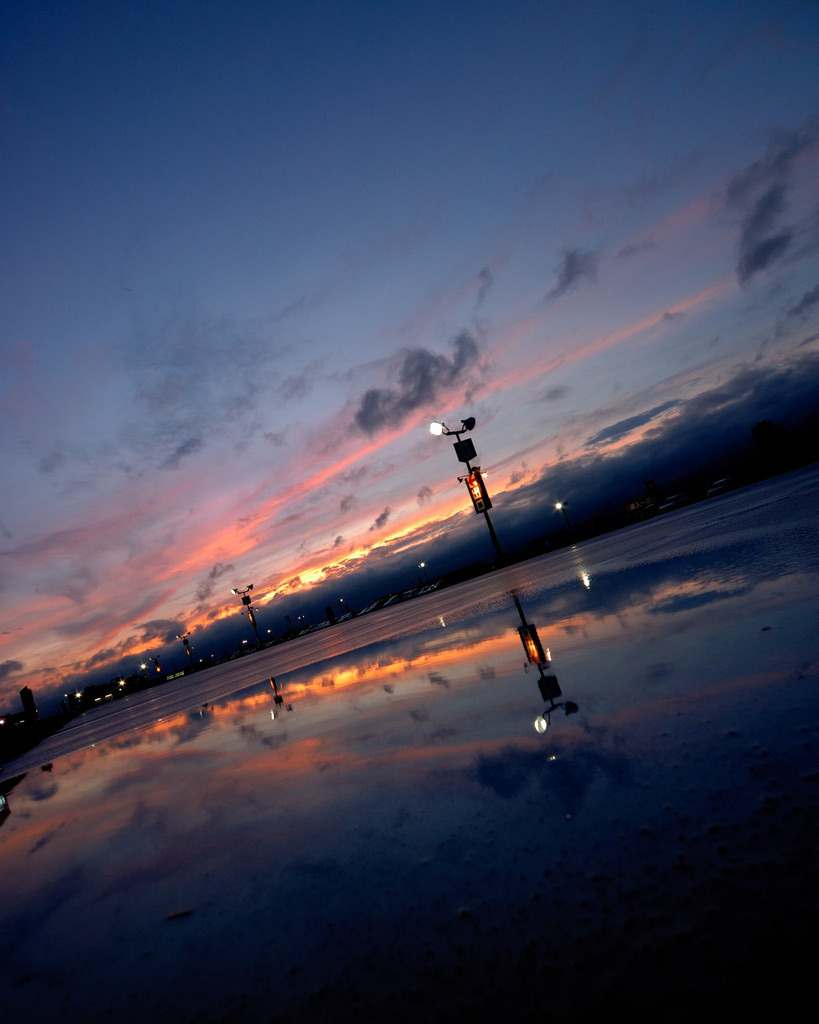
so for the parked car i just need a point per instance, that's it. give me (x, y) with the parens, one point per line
(674, 502)
(720, 487)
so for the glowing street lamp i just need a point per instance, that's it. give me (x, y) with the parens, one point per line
(560, 506)
(465, 451)
(246, 599)
(423, 565)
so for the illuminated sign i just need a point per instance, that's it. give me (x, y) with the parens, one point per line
(477, 491)
(532, 645)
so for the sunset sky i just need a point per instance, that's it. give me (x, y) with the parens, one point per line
(251, 249)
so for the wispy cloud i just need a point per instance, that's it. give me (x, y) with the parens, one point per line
(485, 279)
(759, 195)
(634, 248)
(576, 265)
(422, 377)
(205, 588)
(382, 519)
(8, 668)
(623, 427)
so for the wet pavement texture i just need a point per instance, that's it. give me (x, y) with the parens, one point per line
(394, 840)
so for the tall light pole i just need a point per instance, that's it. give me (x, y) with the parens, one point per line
(560, 506)
(246, 599)
(186, 643)
(465, 451)
(423, 565)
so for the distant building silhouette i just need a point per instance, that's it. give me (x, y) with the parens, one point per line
(29, 707)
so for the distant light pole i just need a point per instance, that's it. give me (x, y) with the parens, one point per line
(423, 565)
(246, 599)
(186, 643)
(560, 506)
(465, 451)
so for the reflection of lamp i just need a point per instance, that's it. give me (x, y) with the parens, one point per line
(465, 451)
(546, 683)
(246, 599)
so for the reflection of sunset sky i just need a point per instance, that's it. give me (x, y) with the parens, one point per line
(406, 808)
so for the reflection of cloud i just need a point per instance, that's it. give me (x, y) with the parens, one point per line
(564, 781)
(685, 602)
(42, 792)
(424, 495)
(251, 734)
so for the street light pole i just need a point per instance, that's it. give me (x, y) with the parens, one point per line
(560, 506)
(246, 599)
(465, 451)
(187, 645)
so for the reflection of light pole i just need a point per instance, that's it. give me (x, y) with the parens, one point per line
(423, 565)
(465, 451)
(246, 599)
(547, 684)
(184, 638)
(560, 506)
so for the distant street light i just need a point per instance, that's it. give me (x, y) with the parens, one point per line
(423, 565)
(465, 451)
(184, 638)
(560, 506)
(246, 599)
